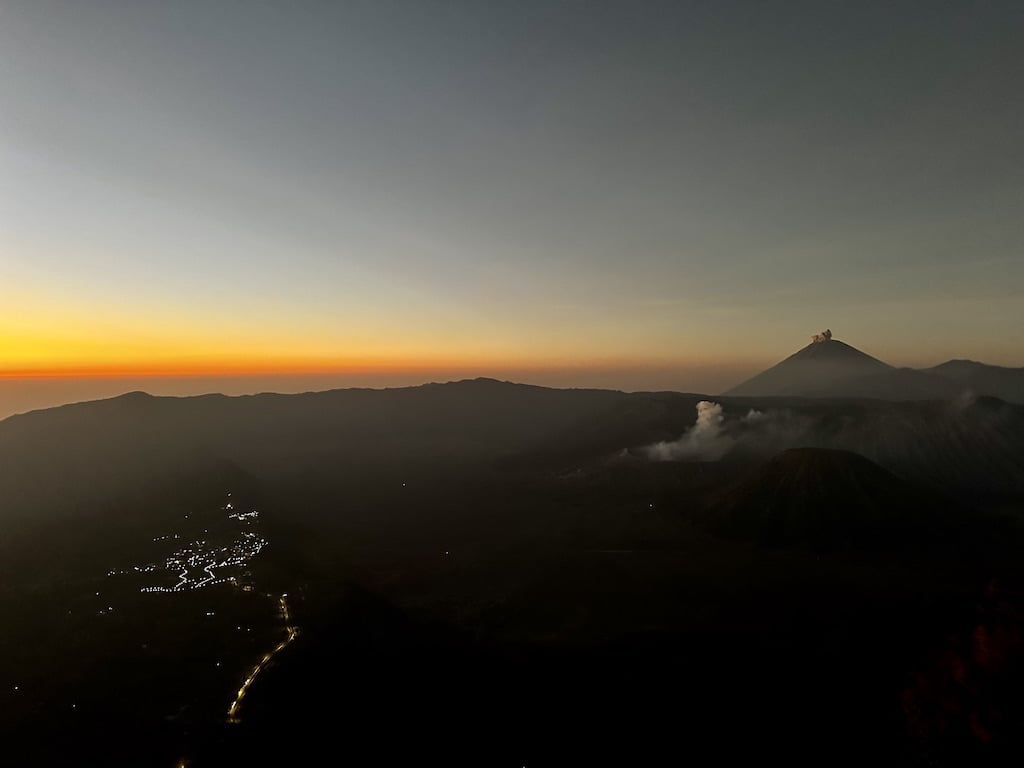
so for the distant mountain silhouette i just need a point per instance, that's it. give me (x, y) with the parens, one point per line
(824, 365)
(58, 462)
(993, 380)
(828, 367)
(57, 458)
(828, 498)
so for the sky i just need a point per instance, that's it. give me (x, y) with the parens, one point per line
(245, 196)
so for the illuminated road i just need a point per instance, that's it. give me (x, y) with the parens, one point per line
(290, 634)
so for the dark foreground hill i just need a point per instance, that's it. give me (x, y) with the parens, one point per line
(485, 573)
(835, 499)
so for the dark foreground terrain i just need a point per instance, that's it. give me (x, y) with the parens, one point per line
(492, 574)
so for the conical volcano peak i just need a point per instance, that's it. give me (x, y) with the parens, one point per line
(829, 368)
(826, 497)
(824, 347)
(825, 367)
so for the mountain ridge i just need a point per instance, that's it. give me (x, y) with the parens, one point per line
(830, 368)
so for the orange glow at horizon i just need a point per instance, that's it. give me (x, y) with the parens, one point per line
(47, 334)
(41, 341)
(268, 367)
(76, 350)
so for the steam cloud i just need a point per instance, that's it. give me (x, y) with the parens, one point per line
(704, 441)
(754, 416)
(755, 433)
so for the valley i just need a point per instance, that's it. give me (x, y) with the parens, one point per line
(533, 580)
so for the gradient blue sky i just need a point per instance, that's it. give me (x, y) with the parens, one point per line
(662, 194)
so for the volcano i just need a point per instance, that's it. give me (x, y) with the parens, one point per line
(828, 367)
(830, 498)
